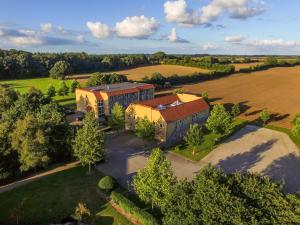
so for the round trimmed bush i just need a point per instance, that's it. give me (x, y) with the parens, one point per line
(106, 183)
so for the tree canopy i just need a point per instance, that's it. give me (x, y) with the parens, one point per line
(60, 69)
(219, 121)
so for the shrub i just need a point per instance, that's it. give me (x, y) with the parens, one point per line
(128, 206)
(106, 183)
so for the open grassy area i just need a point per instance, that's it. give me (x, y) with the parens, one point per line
(55, 197)
(210, 142)
(40, 83)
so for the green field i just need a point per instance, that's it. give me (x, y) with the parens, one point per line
(210, 142)
(55, 197)
(41, 83)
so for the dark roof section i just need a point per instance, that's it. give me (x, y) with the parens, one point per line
(119, 87)
(165, 100)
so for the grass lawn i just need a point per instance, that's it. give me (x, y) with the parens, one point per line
(210, 142)
(55, 197)
(41, 83)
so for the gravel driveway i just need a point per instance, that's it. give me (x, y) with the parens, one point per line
(254, 149)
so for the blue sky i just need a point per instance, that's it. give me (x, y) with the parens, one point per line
(144, 26)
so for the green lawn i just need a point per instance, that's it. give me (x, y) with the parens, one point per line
(41, 83)
(54, 197)
(210, 142)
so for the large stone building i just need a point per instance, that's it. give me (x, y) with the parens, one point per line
(101, 99)
(172, 115)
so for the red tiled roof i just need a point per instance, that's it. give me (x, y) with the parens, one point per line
(184, 110)
(146, 86)
(165, 100)
(121, 92)
(98, 95)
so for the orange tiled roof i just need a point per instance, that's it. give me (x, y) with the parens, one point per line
(165, 100)
(98, 95)
(121, 92)
(184, 110)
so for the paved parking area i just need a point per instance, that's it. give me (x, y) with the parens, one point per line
(254, 149)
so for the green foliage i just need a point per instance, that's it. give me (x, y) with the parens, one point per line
(235, 110)
(51, 92)
(74, 84)
(194, 136)
(214, 197)
(271, 61)
(117, 117)
(219, 121)
(264, 116)
(33, 133)
(137, 213)
(106, 183)
(145, 129)
(178, 91)
(104, 78)
(60, 69)
(63, 89)
(153, 183)
(296, 128)
(89, 142)
(205, 96)
(7, 98)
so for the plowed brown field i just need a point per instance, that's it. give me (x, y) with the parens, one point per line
(276, 89)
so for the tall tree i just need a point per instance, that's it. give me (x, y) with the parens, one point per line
(60, 69)
(89, 142)
(51, 92)
(153, 183)
(235, 110)
(264, 116)
(74, 84)
(219, 121)
(117, 117)
(63, 89)
(194, 137)
(145, 129)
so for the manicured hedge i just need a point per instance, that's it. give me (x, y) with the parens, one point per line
(129, 207)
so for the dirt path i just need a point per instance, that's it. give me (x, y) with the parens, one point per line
(19, 183)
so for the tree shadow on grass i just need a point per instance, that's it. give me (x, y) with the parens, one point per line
(245, 161)
(286, 170)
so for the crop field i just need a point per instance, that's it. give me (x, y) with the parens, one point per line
(140, 72)
(239, 66)
(24, 85)
(276, 89)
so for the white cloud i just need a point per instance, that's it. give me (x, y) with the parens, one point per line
(80, 38)
(234, 39)
(61, 30)
(136, 27)
(98, 29)
(174, 38)
(27, 41)
(273, 43)
(178, 12)
(209, 46)
(46, 27)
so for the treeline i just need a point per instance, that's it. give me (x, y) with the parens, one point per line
(207, 62)
(33, 133)
(16, 64)
(159, 80)
(270, 63)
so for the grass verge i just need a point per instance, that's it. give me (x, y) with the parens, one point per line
(42, 84)
(55, 197)
(210, 142)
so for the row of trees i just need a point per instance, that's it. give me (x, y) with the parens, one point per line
(213, 197)
(63, 89)
(21, 64)
(33, 133)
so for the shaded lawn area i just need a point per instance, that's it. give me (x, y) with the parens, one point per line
(210, 142)
(55, 197)
(41, 83)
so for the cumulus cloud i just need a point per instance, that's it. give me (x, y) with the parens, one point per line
(234, 39)
(209, 46)
(273, 43)
(178, 12)
(98, 29)
(27, 37)
(46, 27)
(136, 27)
(174, 38)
